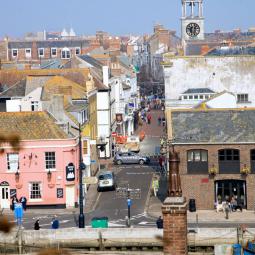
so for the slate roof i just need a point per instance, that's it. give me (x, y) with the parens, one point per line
(17, 90)
(214, 126)
(77, 106)
(198, 91)
(49, 44)
(91, 61)
(30, 126)
(232, 51)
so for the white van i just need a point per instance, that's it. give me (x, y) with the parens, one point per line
(106, 180)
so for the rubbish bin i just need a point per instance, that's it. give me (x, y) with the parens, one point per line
(237, 249)
(192, 205)
(99, 222)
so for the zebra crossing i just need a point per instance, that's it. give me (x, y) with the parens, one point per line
(141, 219)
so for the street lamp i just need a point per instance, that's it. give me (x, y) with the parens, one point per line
(82, 167)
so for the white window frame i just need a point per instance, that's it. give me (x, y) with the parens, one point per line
(28, 55)
(39, 55)
(243, 98)
(37, 199)
(34, 106)
(53, 161)
(12, 162)
(65, 50)
(78, 48)
(17, 53)
(54, 55)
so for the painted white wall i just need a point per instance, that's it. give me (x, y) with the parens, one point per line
(13, 105)
(103, 101)
(35, 95)
(233, 74)
(226, 100)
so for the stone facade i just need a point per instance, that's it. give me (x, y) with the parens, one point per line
(202, 186)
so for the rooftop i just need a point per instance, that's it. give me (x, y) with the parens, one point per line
(198, 91)
(214, 126)
(30, 126)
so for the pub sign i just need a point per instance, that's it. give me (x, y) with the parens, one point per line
(70, 172)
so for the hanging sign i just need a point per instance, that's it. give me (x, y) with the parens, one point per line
(70, 172)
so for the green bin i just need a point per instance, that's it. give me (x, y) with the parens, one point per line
(99, 222)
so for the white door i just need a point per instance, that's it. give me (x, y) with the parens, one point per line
(4, 197)
(70, 196)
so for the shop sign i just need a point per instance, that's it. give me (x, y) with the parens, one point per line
(70, 172)
(60, 193)
(132, 105)
(4, 183)
(204, 180)
(13, 193)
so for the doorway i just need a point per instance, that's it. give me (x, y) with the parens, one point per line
(226, 189)
(70, 196)
(4, 195)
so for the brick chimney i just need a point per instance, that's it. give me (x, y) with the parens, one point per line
(174, 210)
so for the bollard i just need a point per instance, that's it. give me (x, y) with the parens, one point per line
(227, 212)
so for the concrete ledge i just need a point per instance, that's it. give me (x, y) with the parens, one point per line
(118, 237)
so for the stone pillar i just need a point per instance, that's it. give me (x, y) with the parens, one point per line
(174, 210)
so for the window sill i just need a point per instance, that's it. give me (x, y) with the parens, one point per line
(35, 200)
(51, 169)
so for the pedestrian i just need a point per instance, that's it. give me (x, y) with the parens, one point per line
(149, 118)
(159, 222)
(155, 185)
(14, 201)
(159, 120)
(37, 225)
(161, 160)
(23, 201)
(54, 223)
(163, 121)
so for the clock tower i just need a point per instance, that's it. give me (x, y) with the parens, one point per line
(192, 20)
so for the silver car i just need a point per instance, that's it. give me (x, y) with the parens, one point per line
(106, 180)
(130, 158)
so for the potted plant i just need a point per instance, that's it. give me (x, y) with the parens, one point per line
(245, 170)
(213, 170)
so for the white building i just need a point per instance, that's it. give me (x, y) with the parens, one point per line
(217, 74)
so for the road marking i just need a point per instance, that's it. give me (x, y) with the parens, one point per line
(147, 223)
(138, 173)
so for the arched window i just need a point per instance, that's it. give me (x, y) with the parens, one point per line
(65, 53)
(229, 161)
(197, 162)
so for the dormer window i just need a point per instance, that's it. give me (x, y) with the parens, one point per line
(65, 53)
(53, 52)
(77, 51)
(41, 52)
(14, 53)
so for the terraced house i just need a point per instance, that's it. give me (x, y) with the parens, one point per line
(45, 169)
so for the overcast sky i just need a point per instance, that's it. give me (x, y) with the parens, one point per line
(117, 17)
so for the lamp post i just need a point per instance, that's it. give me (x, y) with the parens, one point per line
(82, 167)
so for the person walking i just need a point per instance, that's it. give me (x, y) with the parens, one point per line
(159, 120)
(37, 225)
(149, 118)
(155, 185)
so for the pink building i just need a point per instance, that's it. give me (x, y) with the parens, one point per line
(45, 169)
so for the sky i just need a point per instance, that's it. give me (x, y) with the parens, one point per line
(118, 17)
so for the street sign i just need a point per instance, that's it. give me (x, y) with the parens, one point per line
(123, 192)
(114, 134)
(89, 180)
(129, 202)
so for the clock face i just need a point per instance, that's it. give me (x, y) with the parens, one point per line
(192, 29)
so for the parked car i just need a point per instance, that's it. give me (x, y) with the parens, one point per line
(106, 180)
(130, 158)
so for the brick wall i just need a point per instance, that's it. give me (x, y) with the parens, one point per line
(202, 186)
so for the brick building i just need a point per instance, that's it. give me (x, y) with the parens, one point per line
(44, 49)
(217, 153)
